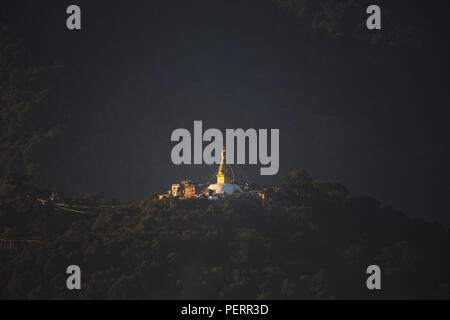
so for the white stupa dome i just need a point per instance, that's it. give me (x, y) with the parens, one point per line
(224, 185)
(225, 188)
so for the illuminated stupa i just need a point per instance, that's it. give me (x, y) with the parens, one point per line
(225, 181)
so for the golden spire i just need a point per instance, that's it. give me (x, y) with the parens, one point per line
(223, 175)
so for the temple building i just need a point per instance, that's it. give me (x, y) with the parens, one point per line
(225, 181)
(192, 189)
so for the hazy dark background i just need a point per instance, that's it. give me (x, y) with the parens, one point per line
(373, 117)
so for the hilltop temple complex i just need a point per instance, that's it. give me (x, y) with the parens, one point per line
(226, 186)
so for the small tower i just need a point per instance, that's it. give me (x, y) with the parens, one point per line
(224, 174)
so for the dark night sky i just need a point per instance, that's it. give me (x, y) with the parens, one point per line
(371, 117)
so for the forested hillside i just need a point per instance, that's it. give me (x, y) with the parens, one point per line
(315, 243)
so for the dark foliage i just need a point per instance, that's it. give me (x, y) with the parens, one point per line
(402, 26)
(317, 243)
